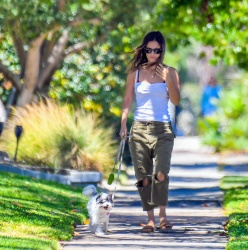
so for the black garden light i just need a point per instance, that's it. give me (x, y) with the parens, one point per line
(18, 133)
(1, 128)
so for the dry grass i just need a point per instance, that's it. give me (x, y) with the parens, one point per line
(58, 137)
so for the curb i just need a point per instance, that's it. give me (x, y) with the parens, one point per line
(73, 177)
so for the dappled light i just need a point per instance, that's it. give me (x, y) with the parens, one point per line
(63, 71)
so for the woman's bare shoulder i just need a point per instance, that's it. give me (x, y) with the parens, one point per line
(171, 69)
(131, 74)
(132, 71)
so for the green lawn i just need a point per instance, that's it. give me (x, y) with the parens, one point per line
(37, 214)
(236, 206)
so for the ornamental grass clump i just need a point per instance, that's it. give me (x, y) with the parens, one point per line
(58, 137)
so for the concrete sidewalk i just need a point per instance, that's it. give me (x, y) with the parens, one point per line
(194, 206)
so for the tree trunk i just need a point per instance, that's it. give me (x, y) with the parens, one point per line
(31, 72)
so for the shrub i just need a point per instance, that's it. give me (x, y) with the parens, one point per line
(228, 128)
(58, 137)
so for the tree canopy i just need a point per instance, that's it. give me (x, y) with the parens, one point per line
(81, 46)
(221, 24)
(38, 35)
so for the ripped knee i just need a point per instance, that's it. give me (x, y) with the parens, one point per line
(160, 177)
(143, 182)
(146, 182)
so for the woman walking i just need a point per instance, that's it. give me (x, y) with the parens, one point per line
(151, 137)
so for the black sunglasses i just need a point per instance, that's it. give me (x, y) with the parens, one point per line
(156, 51)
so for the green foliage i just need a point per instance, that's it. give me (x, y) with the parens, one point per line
(5, 89)
(8, 56)
(36, 214)
(95, 79)
(221, 24)
(33, 18)
(228, 128)
(95, 86)
(236, 206)
(58, 137)
(51, 30)
(8, 53)
(100, 32)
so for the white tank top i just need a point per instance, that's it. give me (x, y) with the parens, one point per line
(151, 101)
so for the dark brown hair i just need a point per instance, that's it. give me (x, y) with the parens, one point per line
(139, 52)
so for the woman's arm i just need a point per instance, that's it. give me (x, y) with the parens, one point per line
(173, 84)
(127, 102)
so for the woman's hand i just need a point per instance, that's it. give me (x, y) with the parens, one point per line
(170, 76)
(123, 132)
(162, 72)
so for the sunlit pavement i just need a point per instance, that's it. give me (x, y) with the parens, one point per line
(194, 205)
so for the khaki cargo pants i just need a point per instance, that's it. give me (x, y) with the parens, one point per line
(151, 145)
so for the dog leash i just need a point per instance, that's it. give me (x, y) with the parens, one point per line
(119, 158)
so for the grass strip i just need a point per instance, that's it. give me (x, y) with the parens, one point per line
(27, 243)
(236, 207)
(37, 214)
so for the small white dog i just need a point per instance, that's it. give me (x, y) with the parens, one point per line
(98, 207)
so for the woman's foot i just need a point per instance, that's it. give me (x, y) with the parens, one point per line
(165, 225)
(148, 228)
